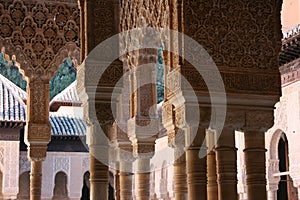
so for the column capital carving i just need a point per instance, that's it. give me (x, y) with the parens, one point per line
(125, 153)
(37, 152)
(36, 133)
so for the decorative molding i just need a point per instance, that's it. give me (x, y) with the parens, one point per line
(62, 164)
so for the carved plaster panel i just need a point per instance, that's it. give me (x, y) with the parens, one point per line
(62, 164)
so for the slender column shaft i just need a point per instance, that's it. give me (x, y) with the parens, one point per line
(226, 165)
(125, 181)
(180, 182)
(255, 164)
(196, 175)
(35, 180)
(272, 195)
(117, 185)
(143, 182)
(98, 180)
(125, 186)
(196, 166)
(212, 186)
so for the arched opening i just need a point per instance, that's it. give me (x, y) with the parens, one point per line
(85, 192)
(60, 191)
(24, 189)
(286, 190)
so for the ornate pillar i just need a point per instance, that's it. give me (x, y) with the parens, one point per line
(226, 165)
(196, 166)
(255, 163)
(178, 143)
(143, 126)
(37, 131)
(212, 186)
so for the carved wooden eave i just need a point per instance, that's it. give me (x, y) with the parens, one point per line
(290, 46)
(290, 72)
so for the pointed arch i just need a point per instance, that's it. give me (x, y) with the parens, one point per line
(60, 191)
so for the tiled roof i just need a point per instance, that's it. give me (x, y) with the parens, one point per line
(68, 95)
(67, 125)
(292, 32)
(12, 106)
(290, 49)
(13, 109)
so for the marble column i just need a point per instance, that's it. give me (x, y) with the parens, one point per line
(196, 167)
(212, 186)
(143, 179)
(117, 181)
(226, 165)
(272, 195)
(35, 179)
(255, 163)
(180, 178)
(126, 181)
(98, 179)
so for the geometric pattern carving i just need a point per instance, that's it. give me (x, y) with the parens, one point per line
(39, 29)
(230, 41)
(251, 43)
(62, 164)
(85, 164)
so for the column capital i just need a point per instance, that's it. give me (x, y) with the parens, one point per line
(36, 133)
(37, 152)
(258, 120)
(125, 153)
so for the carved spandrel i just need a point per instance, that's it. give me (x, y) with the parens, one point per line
(38, 28)
(214, 23)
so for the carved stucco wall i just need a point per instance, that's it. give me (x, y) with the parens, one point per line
(9, 158)
(287, 116)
